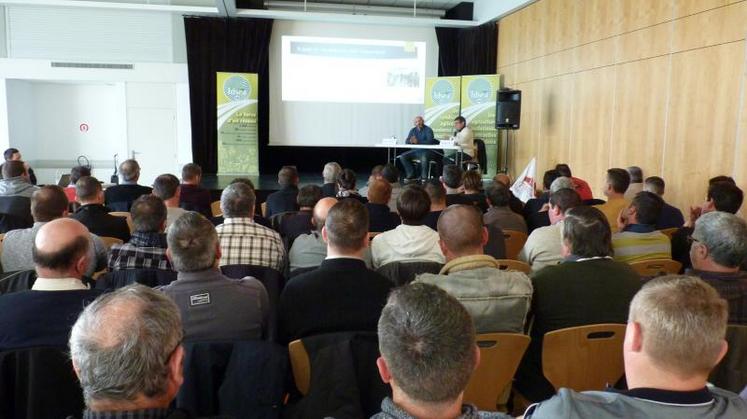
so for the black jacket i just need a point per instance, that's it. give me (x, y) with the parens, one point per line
(282, 201)
(329, 190)
(120, 197)
(293, 225)
(96, 217)
(15, 213)
(380, 218)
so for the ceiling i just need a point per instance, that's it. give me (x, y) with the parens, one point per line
(421, 4)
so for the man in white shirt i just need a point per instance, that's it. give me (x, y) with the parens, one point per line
(463, 137)
(543, 246)
(412, 240)
(167, 187)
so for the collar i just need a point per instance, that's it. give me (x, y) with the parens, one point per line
(466, 263)
(58, 284)
(88, 207)
(203, 275)
(344, 262)
(238, 220)
(639, 228)
(700, 397)
(128, 182)
(574, 258)
(724, 276)
(128, 414)
(151, 239)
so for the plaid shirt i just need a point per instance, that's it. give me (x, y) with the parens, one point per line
(244, 242)
(143, 251)
(136, 414)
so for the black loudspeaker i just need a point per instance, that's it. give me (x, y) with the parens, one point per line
(508, 109)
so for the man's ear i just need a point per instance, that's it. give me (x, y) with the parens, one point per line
(176, 371)
(218, 251)
(709, 206)
(169, 255)
(324, 234)
(722, 353)
(81, 265)
(76, 369)
(634, 337)
(485, 236)
(443, 247)
(386, 375)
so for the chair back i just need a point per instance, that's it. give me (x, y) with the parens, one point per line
(514, 265)
(500, 355)
(39, 383)
(404, 272)
(239, 379)
(125, 215)
(731, 372)
(274, 283)
(263, 207)
(656, 267)
(669, 232)
(514, 243)
(123, 277)
(482, 156)
(15, 213)
(496, 245)
(300, 365)
(585, 357)
(110, 241)
(17, 281)
(215, 209)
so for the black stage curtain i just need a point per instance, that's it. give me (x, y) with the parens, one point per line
(229, 45)
(467, 51)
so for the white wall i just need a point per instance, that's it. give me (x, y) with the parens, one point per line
(485, 10)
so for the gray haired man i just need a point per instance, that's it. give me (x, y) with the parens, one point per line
(133, 368)
(213, 306)
(428, 354)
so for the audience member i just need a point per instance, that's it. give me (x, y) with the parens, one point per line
(670, 217)
(723, 195)
(499, 214)
(242, 241)
(15, 181)
(638, 240)
(473, 193)
(616, 184)
(674, 338)
(47, 203)
(285, 199)
(535, 205)
(258, 218)
(636, 182)
(437, 194)
(168, 189)
(76, 173)
(375, 174)
(542, 218)
(342, 294)
(192, 196)
(212, 306)
(580, 185)
(126, 350)
(587, 288)
(299, 223)
(346, 186)
(423, 135)
(12, 154)
(463, 137)
(94, 215)
(120, 197)
(44, 315)
(411, 240)
(329, 173)
(514, 203)
(718, 250)
(453, 181)
(379, 217)
(309, 250)
(147, 246)
(428, 354)
(391, 175)
(498, 300)
(543, 246)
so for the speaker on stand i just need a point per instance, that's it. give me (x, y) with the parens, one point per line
(507, 117)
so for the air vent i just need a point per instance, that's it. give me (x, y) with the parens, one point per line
(93, 65)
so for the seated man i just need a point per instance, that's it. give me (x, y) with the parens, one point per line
(94, 215)
(473, 191)
(674, 338)
(347, 186)
(514, 203)
(390, 174)
(580, 185)
(299, 223)
(15, 181)
(120, 197)
(587, 288)
(127, 352)
(500, 214)
(44, 315)
(242, 241)
(285, 199)
(542, 217)
(670, 217)
(192, 196)
(453, 181)
(76, 173)
(423, 135)
(427, 375)
(47, 203)
(543, 246)
(13, 154)
(718, 250)
(213, 306)
(168, 189)
(615, 187)
(343, 294)
(437, 194)
(636, 182)
(329, 174)
(380, 218)
(411, 240)
(147, 246)
(497, 300)
(464, 137)
(535, 205)
(638, 240)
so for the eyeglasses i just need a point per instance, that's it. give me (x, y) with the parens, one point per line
(691, 240)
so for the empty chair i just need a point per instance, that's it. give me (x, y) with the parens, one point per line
(514, 243)
(657, 267)
(215, 209)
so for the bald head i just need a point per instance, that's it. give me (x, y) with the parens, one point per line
(461, 231)
(321, 209)
(379, 192)
(61, 249)
(503, 178)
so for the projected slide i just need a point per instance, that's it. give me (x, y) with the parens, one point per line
(352, 70)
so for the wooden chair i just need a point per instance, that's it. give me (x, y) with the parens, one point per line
(514, 265)
(110, 241)
(585, 357)
(500, 355)
(657, 267)
(263, 207)
(215, 209)
(669, 232)
(514, 243)
(300, 365)
(124, 214)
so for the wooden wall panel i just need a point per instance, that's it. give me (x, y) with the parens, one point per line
(740, 151)
(650, 42)
(713, 27)
(555, 117)
(689, 7)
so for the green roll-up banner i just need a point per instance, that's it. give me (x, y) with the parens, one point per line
(442, 97)
(238, 144)
(478, 108)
